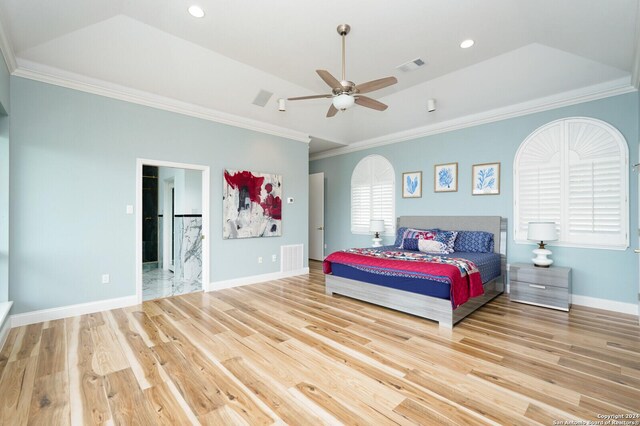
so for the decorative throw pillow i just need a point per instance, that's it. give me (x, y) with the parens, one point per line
(410, 244)
(474, 242)
(417, 235)
(448, 238)
(431, 247)
(411, 233)
(441, 244)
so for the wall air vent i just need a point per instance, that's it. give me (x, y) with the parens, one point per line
(291, 257)
(262, 98)
(411, 65)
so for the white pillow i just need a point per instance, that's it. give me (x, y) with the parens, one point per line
(432, 246)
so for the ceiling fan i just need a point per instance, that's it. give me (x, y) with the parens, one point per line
(345, 93)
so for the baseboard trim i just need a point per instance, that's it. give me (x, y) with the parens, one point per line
(72, 310)
(5, 307)
(253, 279)
(608, 305)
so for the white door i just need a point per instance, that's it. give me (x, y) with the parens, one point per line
(316, 216)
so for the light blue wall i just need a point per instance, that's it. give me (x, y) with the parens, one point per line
(73, 161)
(4, 182)
(605, 274)
(4, 208)
(4, 87)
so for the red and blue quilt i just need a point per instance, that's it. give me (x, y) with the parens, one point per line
(462, 275)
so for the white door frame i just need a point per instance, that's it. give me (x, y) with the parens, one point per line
(313, 227)
(205, 216)
(168, 213)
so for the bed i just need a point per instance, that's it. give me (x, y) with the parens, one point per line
(434, 301)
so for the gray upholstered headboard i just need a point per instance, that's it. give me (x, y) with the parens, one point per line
(494, 224)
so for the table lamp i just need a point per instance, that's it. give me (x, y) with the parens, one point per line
(542, 231)
(376, 226)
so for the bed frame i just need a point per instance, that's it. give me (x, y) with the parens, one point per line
(432, 308)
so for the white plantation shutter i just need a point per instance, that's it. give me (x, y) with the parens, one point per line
(574, 172)
(538, 181)
(373, 194)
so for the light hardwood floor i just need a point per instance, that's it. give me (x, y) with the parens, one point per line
(284, 352)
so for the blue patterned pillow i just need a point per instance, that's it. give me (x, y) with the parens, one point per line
(474, 242)
(399, 236)
(448, 239)
(410, 244)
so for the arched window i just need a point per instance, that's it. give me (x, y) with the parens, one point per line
(373, 194)
(574, 172)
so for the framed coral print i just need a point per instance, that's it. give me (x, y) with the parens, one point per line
(486, 179)
(445, 177)
(412, 185)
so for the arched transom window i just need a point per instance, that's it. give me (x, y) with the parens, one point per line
(373, 194)
(574, 172)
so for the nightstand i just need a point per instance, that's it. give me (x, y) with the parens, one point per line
(548, 287)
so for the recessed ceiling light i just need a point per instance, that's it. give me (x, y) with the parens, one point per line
(467, 44)
(196, 11)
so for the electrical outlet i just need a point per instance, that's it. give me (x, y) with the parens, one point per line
(260, 259)
(274, 258)
(325, 246)
(105, 278)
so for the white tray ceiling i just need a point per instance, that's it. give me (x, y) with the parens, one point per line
(524, 51)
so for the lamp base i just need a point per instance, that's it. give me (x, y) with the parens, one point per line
(541, 260)
(377, 242)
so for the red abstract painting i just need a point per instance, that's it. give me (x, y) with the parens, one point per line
(252, 204)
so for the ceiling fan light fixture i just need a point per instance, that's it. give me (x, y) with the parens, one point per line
(196, 11)
(344, 92)
(343, 101)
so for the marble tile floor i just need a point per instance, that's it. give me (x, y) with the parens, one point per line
(158, 283)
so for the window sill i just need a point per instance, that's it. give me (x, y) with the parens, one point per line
(369, 233)
(573, 245)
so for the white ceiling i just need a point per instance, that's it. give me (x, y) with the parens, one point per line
(525, 51)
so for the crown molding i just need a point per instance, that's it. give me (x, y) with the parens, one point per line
(573, 97)
(7, 50)
(57, 77)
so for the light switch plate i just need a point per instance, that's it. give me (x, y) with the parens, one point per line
(129, 209)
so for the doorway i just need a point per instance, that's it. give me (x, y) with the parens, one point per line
(172, 220)
(316, 216)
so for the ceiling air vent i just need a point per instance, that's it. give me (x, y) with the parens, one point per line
(262, 98)
(411, 65)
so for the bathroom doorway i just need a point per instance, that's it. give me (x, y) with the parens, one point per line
(172, 205)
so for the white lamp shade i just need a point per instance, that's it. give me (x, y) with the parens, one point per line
(343, 101)
(376, 226)
(542, 231)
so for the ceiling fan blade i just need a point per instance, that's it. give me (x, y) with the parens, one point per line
(332, 111)
(333, 82)
(370, 103)
(301, 98)
(381, 83)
